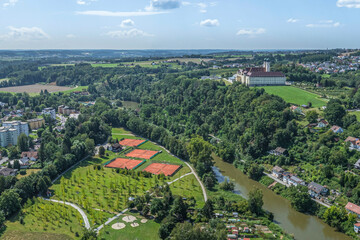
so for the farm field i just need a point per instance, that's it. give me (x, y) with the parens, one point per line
(295, 95)
(54, 221)
(105, 65)
(35, 89)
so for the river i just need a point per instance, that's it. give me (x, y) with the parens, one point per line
(304, 227)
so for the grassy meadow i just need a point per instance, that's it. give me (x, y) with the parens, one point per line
(296, 95)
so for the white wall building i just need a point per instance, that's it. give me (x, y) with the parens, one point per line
(49, 111)
(260, 76)
(10, 132)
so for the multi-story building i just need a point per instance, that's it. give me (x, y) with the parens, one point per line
(36, 123)
(66, 110)
(260, 76)
(10, 132)
(49, 111)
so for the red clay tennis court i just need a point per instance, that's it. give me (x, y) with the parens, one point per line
(158, 168)
(140, 153)
(131, 142)
(124, 163)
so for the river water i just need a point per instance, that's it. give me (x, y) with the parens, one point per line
(304, 227)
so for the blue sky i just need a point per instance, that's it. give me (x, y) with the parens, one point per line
(177, 24)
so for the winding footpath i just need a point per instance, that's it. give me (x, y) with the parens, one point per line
(86, 220)
(82, 213)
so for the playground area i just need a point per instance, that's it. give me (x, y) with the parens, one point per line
(131, 142)
(141, 153)
(124, 163)
(166, 169)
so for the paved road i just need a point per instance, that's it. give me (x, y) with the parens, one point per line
(86, 220)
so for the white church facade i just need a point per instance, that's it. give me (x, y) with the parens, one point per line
(260, 76)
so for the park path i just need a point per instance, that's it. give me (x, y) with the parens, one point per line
(86, 220)
(179, 178)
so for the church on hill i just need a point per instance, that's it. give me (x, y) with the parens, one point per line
(260, 76)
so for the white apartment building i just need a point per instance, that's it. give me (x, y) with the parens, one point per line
(10, 132)
(49, 111)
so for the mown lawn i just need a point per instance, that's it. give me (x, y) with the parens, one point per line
(105, 65)
(356, 113)
(295, 95)
(145, 231)
(44, 220)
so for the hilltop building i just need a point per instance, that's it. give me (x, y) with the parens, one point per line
(260, 76)
(10, 132)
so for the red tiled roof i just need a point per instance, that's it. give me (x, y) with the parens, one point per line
(266, 74)
(29, 154)
(353, 208)
(357, 224)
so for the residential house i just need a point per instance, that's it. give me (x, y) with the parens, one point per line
(116, 147)
(36, 123)
(24, 163)
(235, 214)
(286, 177)
(357, 227)
(296, 109)
(296, 181)
(337, 129)
(277, 172)
(32, 156)
(353, 208)
(354, 142)
(8, 172)
(278, 151)
(316, 190)
(322, 123)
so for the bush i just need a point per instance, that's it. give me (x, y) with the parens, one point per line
(23, 172)
(265, 180)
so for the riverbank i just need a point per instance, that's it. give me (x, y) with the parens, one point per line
(303, 226)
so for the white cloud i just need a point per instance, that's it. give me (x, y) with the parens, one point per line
(251, 32)
(202, 7)
(163, 5)
(210, 23)
(293, 20)
(9, 3)
(85, 2)
(24, 34)
(323, 24)
(127, 23)
(132, 33)
(118, 14)
(70, 36)
(348, 3)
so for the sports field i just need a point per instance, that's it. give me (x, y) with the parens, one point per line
(140, 153)
(296, 95)
(131, 142)
(124, 163)
(166, 169)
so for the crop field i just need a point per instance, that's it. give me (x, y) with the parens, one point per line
(34, 89)
(295, 95)
(105, 65)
